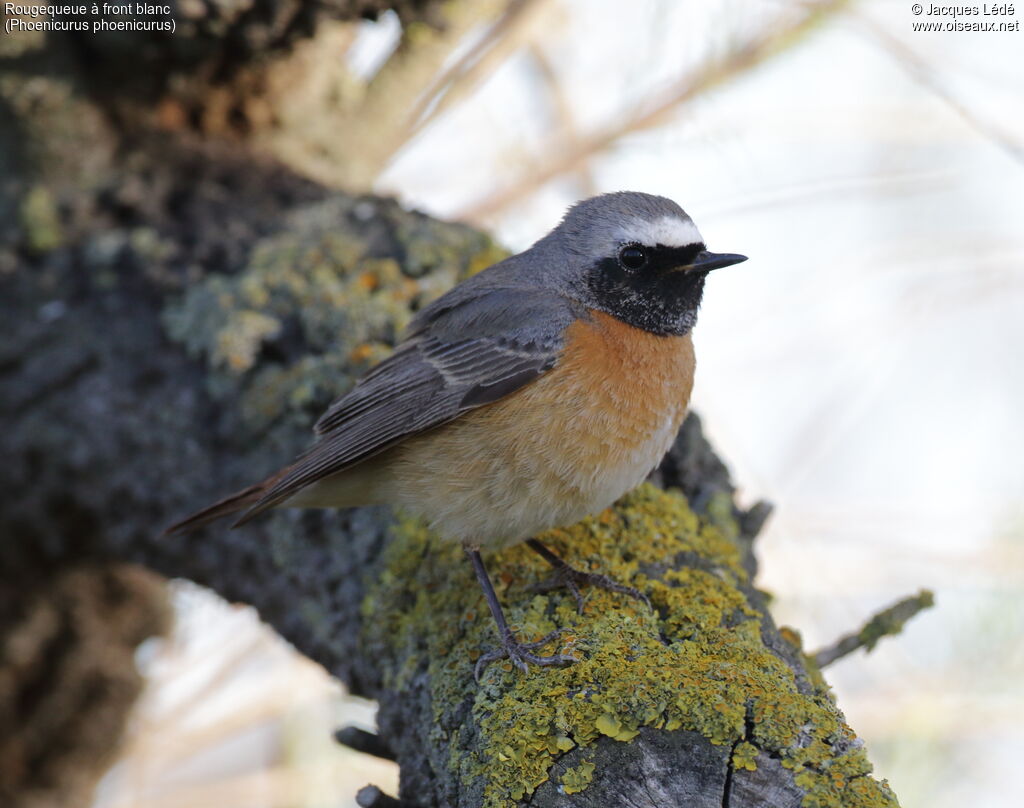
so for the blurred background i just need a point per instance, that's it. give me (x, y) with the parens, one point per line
(863, 371)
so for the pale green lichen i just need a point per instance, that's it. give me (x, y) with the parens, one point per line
(744, 756)
(322, 287)
(578, 778)
(891, 621)
(886, 623)
(714, 676)
(40, 220)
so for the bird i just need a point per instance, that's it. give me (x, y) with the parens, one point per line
(529, 396)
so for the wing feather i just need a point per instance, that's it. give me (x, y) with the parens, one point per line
(456, 361)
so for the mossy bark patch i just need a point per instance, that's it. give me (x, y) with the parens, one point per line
(697, 662)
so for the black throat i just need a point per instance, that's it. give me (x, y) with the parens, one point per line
(658, 297)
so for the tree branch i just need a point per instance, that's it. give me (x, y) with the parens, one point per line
(887, 623)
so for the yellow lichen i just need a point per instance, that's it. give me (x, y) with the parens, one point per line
(744, 756)
(698, 662)
(578, 778)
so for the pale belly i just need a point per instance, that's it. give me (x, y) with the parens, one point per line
(566, 446)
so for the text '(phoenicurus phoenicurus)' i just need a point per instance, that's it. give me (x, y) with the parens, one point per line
(531, 395)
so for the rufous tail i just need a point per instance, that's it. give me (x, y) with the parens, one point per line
(232, 503)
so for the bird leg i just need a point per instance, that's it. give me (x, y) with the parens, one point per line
(519, 653)
(572, 578)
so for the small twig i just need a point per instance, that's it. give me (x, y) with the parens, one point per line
(561, 113)
(752, 522)
(741, 59)
(925, 74)
(363, 741)
(884, 624)
(470, 69)
(373, 797)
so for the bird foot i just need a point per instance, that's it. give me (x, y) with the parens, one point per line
(568, 577)
(519, 654)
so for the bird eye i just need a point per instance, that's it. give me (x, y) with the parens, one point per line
(632, 256)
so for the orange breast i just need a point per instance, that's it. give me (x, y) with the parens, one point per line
(631, 376)
(566, 445)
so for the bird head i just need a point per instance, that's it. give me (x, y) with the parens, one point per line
(639, 258)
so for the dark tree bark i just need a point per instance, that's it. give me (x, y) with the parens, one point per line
(176, 314)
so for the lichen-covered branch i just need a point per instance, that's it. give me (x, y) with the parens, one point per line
(704, 678)
(886, 623)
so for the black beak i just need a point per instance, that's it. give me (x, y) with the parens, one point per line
(706, 261)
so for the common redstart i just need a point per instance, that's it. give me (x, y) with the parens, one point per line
(529, 396)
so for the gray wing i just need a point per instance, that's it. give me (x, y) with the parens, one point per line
(457, 357)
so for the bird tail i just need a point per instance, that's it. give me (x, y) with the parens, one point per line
(232, 503)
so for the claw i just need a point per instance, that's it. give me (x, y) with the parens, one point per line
(519, 654)
(511, 648)
(571, 578)
(561, 580)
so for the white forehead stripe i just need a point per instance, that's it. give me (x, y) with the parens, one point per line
(668, 230)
